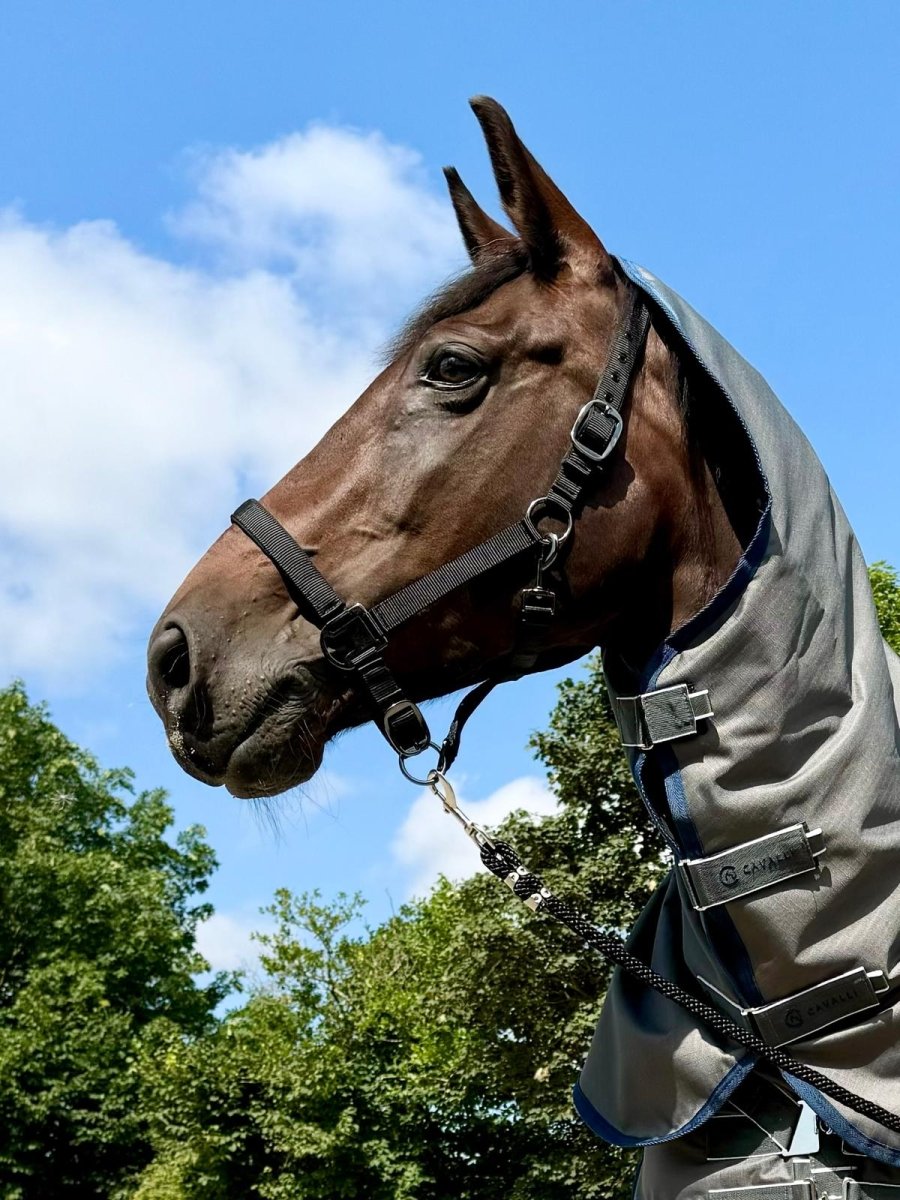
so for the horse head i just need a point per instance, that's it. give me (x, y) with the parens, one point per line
(463, 428)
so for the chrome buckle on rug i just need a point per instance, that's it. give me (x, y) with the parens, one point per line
(804, 1014)
(752, 866)
(663, 715)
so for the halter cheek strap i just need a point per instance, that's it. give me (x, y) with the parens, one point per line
(354, 638)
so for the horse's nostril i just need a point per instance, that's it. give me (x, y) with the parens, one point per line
(177, 684)
(170, 660)
(175, 667)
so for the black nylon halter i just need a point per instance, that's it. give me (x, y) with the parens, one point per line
(354, 638)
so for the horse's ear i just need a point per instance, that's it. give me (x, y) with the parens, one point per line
(553, 232)
(483, 235)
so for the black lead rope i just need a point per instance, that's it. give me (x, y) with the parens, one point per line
(502, 861)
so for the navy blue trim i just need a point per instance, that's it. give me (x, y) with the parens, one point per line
(721, 928)
(599, 1125)
(645, 282)
(734, 586)
(673, 784)
(637, 762)
(841, 1126)
(733, 955)
(753, 554)
(723, 933)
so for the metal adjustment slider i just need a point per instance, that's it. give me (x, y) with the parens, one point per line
(405, 728)
(537, 609)
(579, 429)
(352, 637)
(663, 715)
(536, 900)
(752, 866)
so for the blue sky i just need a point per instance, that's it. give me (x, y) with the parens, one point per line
(215, 212)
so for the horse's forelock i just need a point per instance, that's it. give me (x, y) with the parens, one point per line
(460, 294)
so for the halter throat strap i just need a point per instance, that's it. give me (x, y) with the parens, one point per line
(354, 638)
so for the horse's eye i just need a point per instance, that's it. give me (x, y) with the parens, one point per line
(453, 368)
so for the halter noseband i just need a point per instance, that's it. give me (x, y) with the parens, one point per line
(354, 638)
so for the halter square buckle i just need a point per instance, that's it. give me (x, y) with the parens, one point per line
(351, 638)
(607, 410)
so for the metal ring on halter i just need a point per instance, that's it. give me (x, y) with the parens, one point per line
(426, 782)
(564, 515)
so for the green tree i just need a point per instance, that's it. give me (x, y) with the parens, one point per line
(433, 1057)
(886, 591)
(96, 943)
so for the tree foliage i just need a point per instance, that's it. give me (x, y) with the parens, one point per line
(96, 943)
(432, 1057)
(429, 1058)
(886, 591)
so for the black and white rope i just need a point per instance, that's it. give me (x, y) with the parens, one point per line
(502, 861)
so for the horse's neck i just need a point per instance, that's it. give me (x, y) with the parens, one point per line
(707, 547)
(697, 548)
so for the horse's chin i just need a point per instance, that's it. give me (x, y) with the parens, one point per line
(258, 769)
(282, 752)
(258, 766)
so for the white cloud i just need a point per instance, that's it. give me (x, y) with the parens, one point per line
(226, 943)
(430, 843)
(143, 397)
(325, 204)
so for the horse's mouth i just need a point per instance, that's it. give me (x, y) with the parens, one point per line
(279, 746)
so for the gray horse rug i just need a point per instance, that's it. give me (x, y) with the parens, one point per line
(765, 740)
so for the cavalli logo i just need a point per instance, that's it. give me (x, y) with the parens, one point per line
(824, 1006)
(730, 876)
(793, 1018)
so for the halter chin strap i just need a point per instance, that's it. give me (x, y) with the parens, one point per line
(354, 638)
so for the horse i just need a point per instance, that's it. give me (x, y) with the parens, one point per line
(560, 454)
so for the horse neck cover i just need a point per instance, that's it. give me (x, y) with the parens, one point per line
(804, 692)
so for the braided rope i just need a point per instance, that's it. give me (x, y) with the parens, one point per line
(502, 861)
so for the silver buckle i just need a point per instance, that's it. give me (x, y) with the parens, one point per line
(597, 456)
(750, 867)
(797, 1189)
(805, 1014)
(660, 716)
